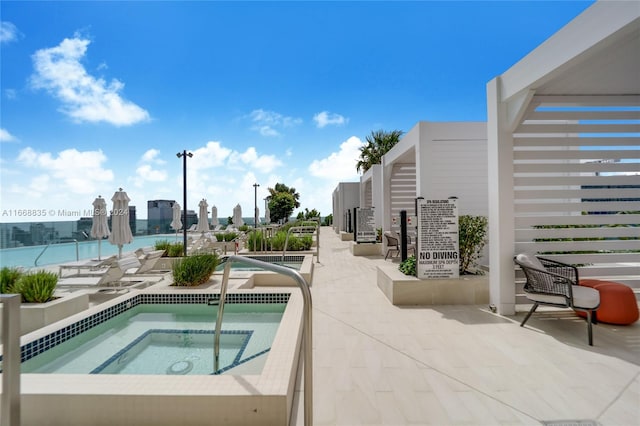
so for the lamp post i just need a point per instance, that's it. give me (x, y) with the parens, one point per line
(255, 204)
(184, 154)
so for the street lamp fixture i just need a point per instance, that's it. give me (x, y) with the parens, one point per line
(255, 204)
(184, 154)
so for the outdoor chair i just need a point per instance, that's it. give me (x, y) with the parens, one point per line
(393, 244)
(556, 284)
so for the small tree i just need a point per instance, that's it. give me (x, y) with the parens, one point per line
(472, 233)
(281, 206)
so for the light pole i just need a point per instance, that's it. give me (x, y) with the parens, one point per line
(184, 154)
(255, 203)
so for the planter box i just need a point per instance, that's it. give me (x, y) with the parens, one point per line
(346, 236)
(37, 315)
(366, 249)
(402, 289)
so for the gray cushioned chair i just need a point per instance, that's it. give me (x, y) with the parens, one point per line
(553, 283)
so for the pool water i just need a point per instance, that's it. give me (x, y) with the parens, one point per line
(167, 339)
(66, 252)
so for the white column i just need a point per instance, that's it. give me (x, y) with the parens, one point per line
(501, 211)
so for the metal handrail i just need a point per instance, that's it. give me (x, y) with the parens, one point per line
(35, 262)
(307, 327)
(315, 230)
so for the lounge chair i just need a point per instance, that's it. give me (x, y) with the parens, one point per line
(88, 266)
(110, 274)
(556, 284)
(393, 244)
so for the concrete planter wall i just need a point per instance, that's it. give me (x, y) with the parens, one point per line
(366, 249)
(346, 236)
(402, 289)
(37, 315)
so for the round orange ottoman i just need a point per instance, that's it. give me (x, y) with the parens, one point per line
(618, 303)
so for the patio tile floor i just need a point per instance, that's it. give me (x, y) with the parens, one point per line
(379, 364)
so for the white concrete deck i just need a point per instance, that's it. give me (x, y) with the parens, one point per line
(375, 363)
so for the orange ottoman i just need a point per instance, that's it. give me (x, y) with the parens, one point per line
(618, 303)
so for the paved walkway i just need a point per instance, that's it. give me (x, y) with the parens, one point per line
(375, 363)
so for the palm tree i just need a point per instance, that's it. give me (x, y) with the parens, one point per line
(379, 142)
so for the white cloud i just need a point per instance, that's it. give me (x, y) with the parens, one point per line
(84, 97)
(69, 171)
(326, 118)
(267, 122)
(5, 136)
(151, 156)
(146, 173)
(8, 32)
(213, 154)
(341, 165)
(261, 163)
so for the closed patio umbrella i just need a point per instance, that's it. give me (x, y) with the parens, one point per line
(267, 215)
(214, 216)
(100, 225)
(203, 217)
(176, 222)
(237, 216)
(120, 228)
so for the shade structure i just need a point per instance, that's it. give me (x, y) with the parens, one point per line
(100, 225)
(203, 217)
(214, 216)
(176, 222)
(237, 216)
(267, 215)
(120, 228)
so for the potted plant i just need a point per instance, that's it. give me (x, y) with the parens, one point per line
(194, 270)
(40, 307)
(402, 287)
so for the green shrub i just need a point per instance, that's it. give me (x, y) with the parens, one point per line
(36, 287)
(277, 241)
(408, 267)
(254, 242)
(472, 234)
(230, 236)
(219, 237)
(194, 270)
(8, 278)
(243, 228)
(174, 250)
(162, 245)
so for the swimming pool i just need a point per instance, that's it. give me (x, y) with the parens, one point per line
(66, 252)
(241, 396)
(166, 339)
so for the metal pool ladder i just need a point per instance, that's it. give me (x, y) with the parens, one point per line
(307, 317)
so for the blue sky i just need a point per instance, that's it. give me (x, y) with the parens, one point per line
(101, 95)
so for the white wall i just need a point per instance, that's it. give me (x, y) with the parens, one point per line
(346, 196)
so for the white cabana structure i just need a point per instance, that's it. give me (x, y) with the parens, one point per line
(345, 198)
(563, 138)
(433, 160)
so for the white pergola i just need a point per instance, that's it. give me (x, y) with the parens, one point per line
(563, 152)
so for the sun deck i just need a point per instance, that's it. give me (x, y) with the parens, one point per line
(375, 363)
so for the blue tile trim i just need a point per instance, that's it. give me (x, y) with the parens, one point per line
(238, 362)
(47, 342)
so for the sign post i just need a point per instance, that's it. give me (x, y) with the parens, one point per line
(438, 239)
(366, 227)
